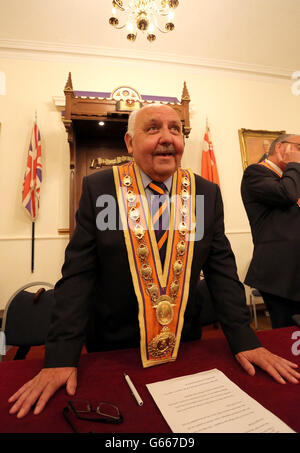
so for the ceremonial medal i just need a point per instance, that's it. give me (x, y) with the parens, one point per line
(164, 313)
(177, 267)
(142, 251)
(134, 213)
(181, 248)
(127, 180)
(153, 292)
(182, 227)
(146, 272)
(174, 289)
(185, 194)
(164, 310)
(139, 231)
(185, 181)
(131, 197)
(162, 344)
(162, 291)
(184, 210)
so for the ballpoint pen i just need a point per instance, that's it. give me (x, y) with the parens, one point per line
(133, 390)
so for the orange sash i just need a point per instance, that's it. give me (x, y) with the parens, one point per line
(162, 294)
(265, 164)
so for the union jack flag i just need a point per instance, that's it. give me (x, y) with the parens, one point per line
(33, 175)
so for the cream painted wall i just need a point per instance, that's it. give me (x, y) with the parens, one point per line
(230, 101)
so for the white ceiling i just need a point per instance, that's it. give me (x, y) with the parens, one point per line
(254, 34)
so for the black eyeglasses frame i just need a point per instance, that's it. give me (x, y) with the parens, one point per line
(99, 419)
(293, 143)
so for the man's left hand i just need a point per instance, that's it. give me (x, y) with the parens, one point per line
(280, 369)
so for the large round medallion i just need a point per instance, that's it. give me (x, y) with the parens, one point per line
(164, 312)
(162, 344)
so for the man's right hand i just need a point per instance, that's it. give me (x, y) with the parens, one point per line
(290, 155)
(41, 388)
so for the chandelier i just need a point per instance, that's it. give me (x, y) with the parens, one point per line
(144, 15)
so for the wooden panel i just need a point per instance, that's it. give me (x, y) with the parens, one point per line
(91, 143)
(94, 144)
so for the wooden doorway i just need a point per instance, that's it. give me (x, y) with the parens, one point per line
(98, 147)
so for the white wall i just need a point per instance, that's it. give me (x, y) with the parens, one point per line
(230, 101)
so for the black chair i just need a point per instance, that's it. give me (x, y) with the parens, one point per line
(26, 319)
(255, 298)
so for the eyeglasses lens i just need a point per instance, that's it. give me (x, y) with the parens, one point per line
(102, 411)
(82, 406)
(108, 410)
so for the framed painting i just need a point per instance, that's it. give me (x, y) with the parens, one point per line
(255, 145)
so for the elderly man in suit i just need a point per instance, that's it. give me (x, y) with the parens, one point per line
(123, 286)
(271, 196)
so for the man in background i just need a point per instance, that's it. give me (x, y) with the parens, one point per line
(271, 196)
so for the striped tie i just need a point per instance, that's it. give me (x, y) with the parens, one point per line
(160, 215)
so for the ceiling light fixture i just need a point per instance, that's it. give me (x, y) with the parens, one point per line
(145, 16)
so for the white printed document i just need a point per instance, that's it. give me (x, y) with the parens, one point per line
(208, 402)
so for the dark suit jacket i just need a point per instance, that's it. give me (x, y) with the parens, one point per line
(95, 299)
(271, 205)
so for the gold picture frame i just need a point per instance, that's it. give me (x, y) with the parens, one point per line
(255, 144)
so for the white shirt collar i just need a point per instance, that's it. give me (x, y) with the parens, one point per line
(274, 166)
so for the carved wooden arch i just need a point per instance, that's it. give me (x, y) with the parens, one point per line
(84, 109)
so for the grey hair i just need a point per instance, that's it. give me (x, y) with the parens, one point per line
(131, 122)
(280, 139)
(132, 117)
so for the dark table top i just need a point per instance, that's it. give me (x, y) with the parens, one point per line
(100, 378)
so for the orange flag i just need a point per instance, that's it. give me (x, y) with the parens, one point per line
(209, 166)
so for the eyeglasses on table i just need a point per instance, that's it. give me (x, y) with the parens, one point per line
(102, 412)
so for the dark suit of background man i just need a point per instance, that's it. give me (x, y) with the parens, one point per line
(95, 299)
(271, 196)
